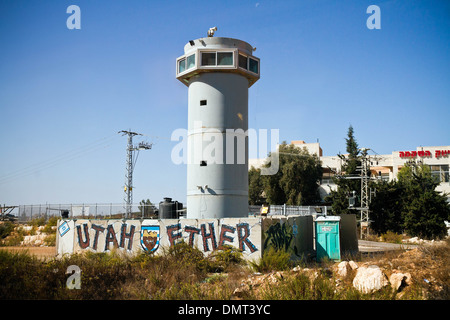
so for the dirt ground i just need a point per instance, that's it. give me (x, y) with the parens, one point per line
(39, 252)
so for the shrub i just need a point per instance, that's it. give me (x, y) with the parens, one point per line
(224, 259)
(37, 222)
(273, 260)
(5, 229)
(296, 288)
(392, 237)
(52, 222)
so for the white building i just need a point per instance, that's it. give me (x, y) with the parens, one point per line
(385, 167)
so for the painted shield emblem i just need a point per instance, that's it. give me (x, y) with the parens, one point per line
(150, 238)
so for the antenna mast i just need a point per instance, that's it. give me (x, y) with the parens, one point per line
(128, 189)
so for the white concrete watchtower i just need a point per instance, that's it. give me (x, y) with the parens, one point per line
(218, 72)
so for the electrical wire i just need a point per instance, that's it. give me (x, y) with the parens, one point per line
(57, 160)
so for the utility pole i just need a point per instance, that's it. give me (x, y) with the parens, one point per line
(366, 193)
(365, 169)
(130, 163)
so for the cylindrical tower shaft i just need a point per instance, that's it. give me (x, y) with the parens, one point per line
(219, 72)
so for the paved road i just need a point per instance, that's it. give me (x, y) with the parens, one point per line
(374, 246)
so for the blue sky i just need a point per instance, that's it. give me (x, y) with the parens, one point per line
(64, 94)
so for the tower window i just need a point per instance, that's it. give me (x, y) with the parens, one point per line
(203, 163)
(203, 102)
(181, 65)
(224, 58)
(253, 65)
(190, 61)
(243, 61)
(208, 58)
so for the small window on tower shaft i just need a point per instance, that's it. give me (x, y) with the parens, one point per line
(203, 102)
(203, 163)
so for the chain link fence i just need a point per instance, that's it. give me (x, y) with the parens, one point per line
(25, 213)
(286, 210)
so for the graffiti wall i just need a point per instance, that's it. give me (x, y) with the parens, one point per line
(292, 234)
(252, 236)
(134, 236)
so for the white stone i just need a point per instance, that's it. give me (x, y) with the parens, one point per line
(369, 279)
(342, 269)
(398, 279)
(353, 265)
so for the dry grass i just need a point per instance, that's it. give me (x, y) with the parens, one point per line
(182, 272)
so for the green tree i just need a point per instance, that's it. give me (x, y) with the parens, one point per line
(351, 161)
(255, 187)
(425, 209)
(411, 204)
(386, 207)
(295, 183)
(147, 207)
(345, 186)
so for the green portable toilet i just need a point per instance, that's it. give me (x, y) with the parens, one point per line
(327, 238)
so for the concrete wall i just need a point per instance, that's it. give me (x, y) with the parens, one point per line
(136, 236)
(251, 235)
(293, 234)
(348, 234)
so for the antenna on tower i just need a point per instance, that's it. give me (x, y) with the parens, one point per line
(130, 164)
(211, 31)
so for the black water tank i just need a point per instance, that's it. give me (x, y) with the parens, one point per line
(168, 209)
(65, 214)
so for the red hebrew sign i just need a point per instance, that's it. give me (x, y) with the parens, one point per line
(442, 153)
(426, 153)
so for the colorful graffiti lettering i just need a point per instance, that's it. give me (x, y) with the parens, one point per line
(84, 241)
(212, 236)
(173, 233)
(208, 236)
(243, 239)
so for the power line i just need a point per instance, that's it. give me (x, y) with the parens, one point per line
(57, 160)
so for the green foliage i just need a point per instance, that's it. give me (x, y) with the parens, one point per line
(255, 187)
(392, 237)
(295, 183)
(386, 208)
(410, 205)
(175, 276)
(350, 162)
(6, 228)
(146, 207)
(188, 256)
(224, 259)
(273, 260)
(52, 222)
(297, 288)
(37, 222)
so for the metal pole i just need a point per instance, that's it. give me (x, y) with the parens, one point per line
(128, 197)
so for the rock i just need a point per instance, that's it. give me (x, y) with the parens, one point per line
(369, 279)
(297, 269)
(399, 280)
(342, 269)
(353, 265)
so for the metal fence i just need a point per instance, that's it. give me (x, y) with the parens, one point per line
(25, 213)
(286, 210)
